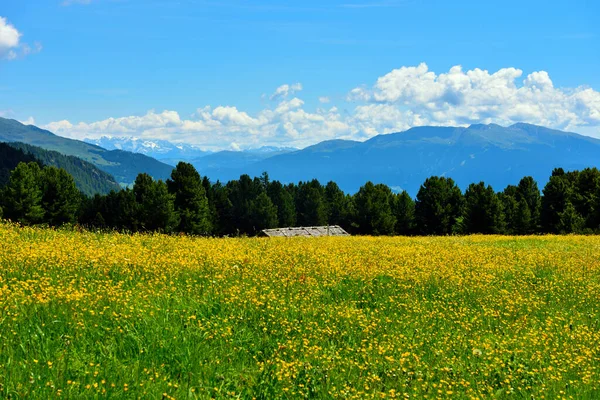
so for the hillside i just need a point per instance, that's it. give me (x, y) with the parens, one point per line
(10, 157)
(123, 165)
(88, 178)
(492, 153)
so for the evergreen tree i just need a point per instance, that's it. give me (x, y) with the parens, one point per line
(586, 199)
(60, 197)
(528, 190)
(242, 194)
(523, 223)
(165, 218)
(263, 213)
(122, 209)
(557, 193)
(191, 202)
(438, 206)
(404, 211)
(283, 200)
(336, 204)
(221, 210)
(569, 220)
(374, 209)
(483, 210)
(22, 195)
(508, 199)
(155, 205)
(310, 204)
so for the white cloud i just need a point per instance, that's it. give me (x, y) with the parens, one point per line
(28, 121)
(459, 98)
(9, 39)
(324, 100)
(11, 47)
(404, 98)
(284, 91)
(220, 127)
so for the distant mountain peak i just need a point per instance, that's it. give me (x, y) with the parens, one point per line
(156, 148)
(484, 126)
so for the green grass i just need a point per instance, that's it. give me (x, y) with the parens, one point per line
(86, 315)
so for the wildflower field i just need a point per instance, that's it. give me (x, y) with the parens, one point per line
(89, 315)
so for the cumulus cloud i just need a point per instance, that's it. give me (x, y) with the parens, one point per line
(459, 97)
(404, 98)
(11, 47)
(9, 39)
(220, 127)
(324, 100)
(284, 91)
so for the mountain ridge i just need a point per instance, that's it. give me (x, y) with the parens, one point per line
(123, 166)
(492, 153)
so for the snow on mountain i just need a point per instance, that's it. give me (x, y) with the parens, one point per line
(156, 148)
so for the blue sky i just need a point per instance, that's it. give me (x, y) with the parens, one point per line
(205, 72)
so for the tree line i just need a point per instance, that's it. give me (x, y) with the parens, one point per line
(191, 204)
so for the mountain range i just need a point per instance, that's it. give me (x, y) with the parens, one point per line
(123, 165)
(162, 150)
(497, 155)
(491, 153)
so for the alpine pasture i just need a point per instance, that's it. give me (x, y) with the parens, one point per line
(106, 315)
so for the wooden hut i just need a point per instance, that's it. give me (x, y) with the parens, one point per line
(308, 231)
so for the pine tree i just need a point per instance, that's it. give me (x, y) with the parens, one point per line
(523, 223)
(263, 213)
(336, 204)
(310, 204)
(483, 210)
(404, 211)
(528, 191)
(438, 206)
(22, 196)
(569, 220)
(191, 202)
(284, 201)
(374, 209)
(557, 193)
(155, 205)
(60, 197)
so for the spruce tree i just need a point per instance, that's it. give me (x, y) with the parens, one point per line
(483, 210)
(191, 202)
(336, 204)
(528, 191)
(22, 195)
(60, 197)
(438, 207)
(263, 213)
(374, 209)
(284, 201)
(404, 211)
(310, 204)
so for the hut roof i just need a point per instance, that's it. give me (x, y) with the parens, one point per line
(308, 231)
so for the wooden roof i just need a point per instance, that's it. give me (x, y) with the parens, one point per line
(308, 231)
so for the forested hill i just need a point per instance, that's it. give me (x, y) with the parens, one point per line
(123, 165)
(88, 178)
(10, 157)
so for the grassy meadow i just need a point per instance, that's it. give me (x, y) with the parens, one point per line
(87, 315)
